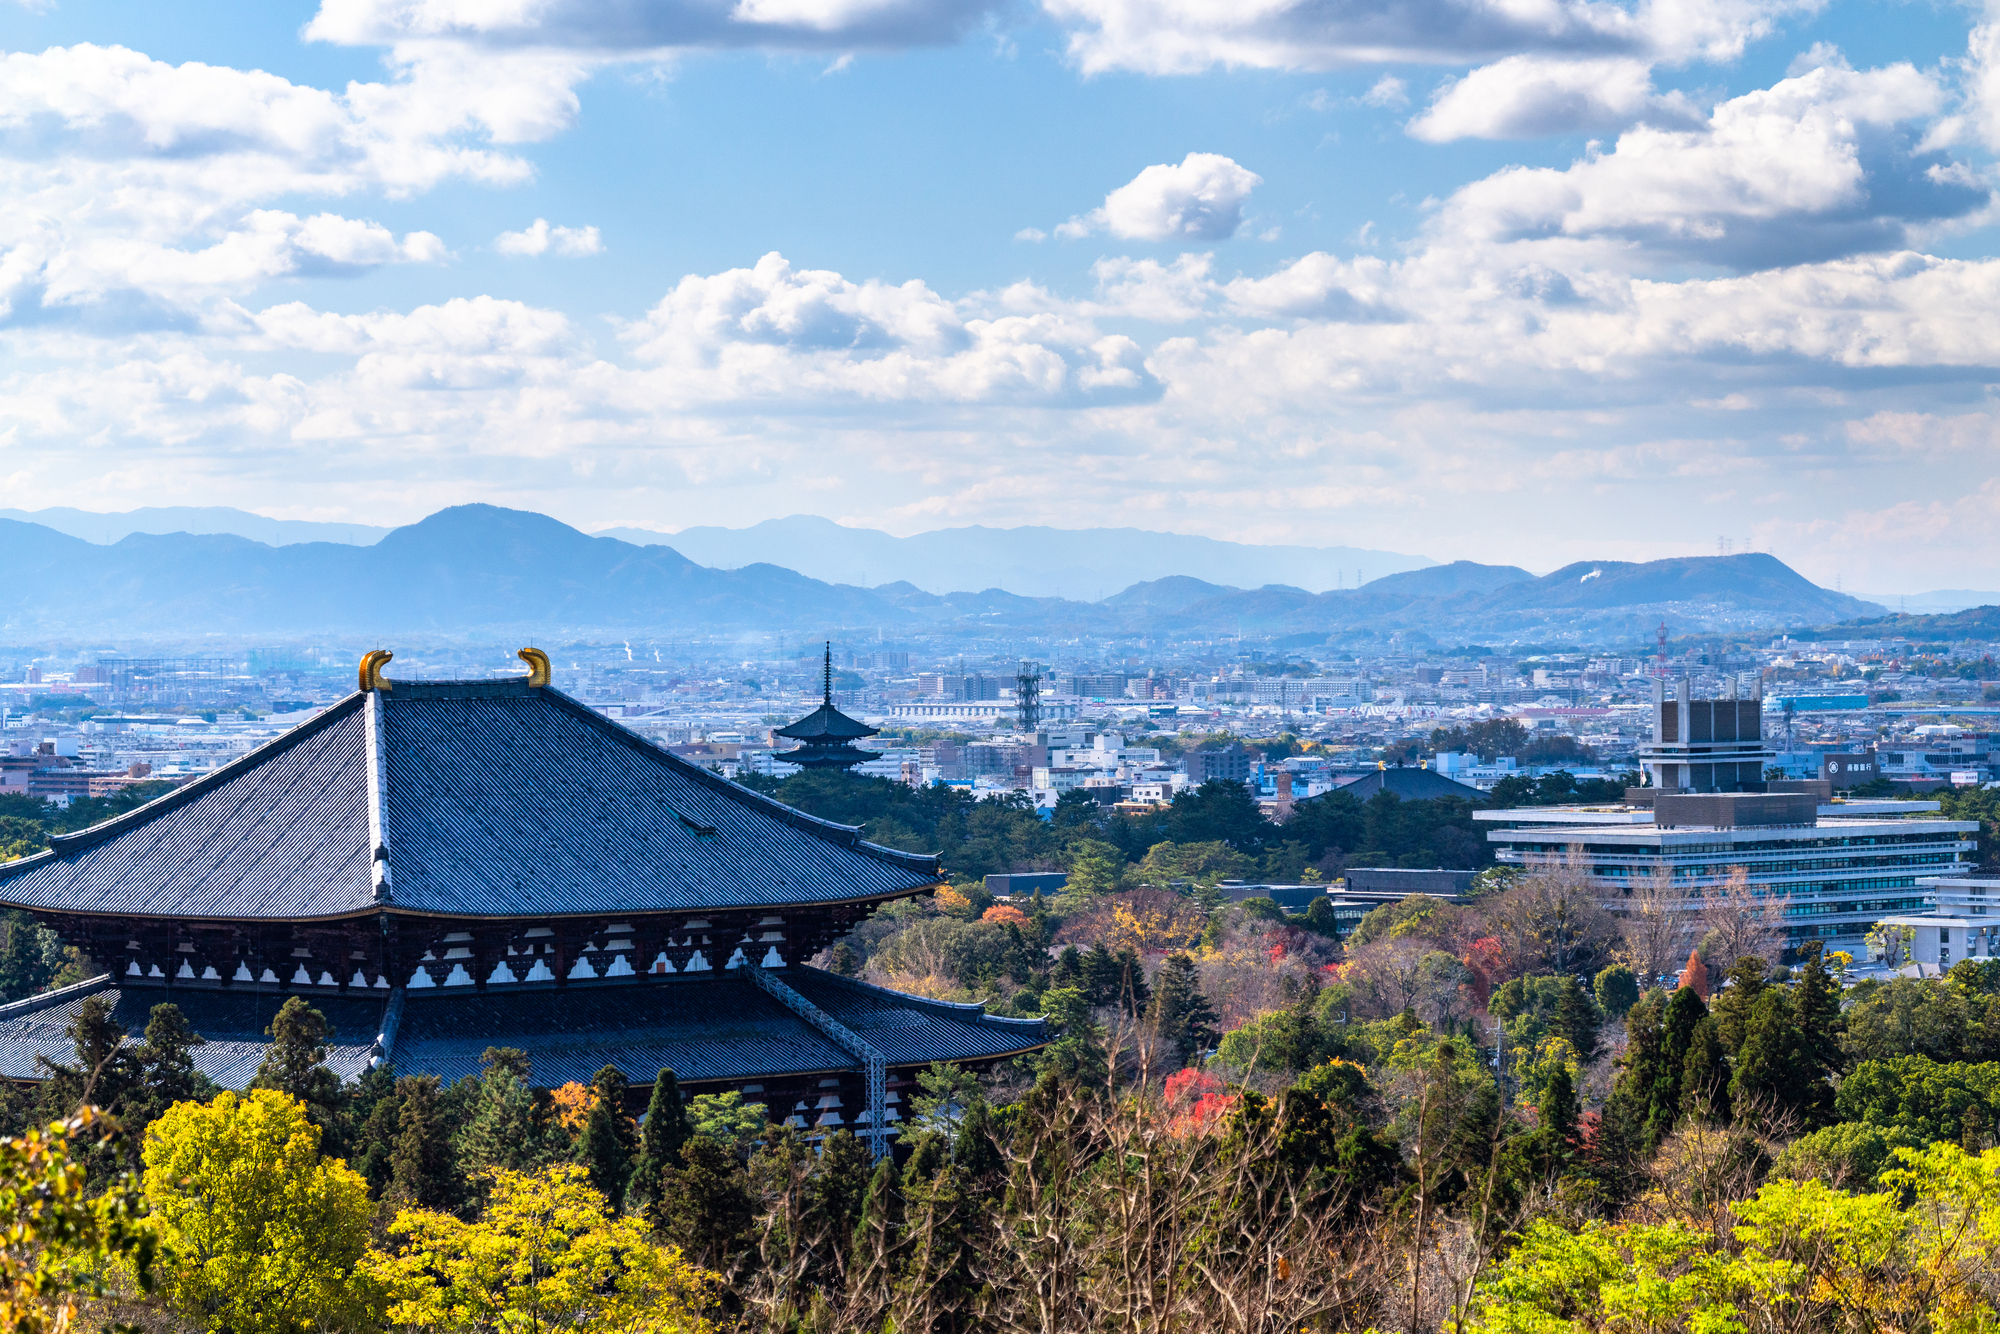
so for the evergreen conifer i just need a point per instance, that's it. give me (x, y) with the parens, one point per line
(422, 1173)
(1773, 1071)
(295, 1064)
(1576, 1019)
(1617, 989)
(1180, 1013)
(1705, 1074)
(1747, 981)
(1684, 1013)
(1816, 1000)
(660, 1138)
(509, 1125)
(608, 1143)
(704, 1205)
(879, 1230)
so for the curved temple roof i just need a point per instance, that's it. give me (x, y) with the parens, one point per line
(487, 799)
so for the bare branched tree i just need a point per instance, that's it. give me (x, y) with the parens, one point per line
(1659, 926)
(1739, 921)
(1554, 919)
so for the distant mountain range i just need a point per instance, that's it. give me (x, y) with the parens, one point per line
(199, 519)
(1081, 564)
(480, 570)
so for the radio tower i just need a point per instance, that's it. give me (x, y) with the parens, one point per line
(1028, 693)
(1660, 660)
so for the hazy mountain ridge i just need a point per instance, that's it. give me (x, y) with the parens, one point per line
(1079, 564)
(479, 569)
(201, 520)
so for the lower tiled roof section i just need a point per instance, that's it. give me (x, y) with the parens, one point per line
(707, 1029)
(722, 1028)
(232, 1021)
(914, 1030)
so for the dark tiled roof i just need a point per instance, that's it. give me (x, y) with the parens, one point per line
(282, 832)
(500, 799)
(1411, 785)
(827, 723)
(721, 1028)
(232, 1021)
(914, 1030)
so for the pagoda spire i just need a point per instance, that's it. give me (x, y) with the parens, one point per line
(828, 700)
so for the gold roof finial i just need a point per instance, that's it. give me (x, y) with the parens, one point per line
(372, 663)
(538, 666)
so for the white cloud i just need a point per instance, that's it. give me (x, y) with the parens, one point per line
(1820, 165)
(1188, 36)
(1525, 97)
(775, 332)
(610, 29)
(540, 238)
(136, 190)
(1199, 199)
(1388, 91)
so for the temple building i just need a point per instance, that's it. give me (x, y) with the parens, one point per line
(826, 736)
(445, 866)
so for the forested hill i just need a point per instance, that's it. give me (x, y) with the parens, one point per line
(1974, 623)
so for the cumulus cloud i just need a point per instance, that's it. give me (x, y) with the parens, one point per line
(137, 190)
(1527, 97)
(1822, 164)
(1199, 199)
(607, 28)
(1188, 36)
(539, 239)
(772, 331)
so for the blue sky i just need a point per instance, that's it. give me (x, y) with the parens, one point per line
(1490, 281)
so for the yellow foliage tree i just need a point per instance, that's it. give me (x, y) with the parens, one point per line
(1917, 1256)
(545, 1256)
(264, 1233)
(58, 1245)
(572, 1105)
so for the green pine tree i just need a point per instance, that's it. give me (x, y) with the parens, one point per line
(608, 1143)
(834, 1192)
(422, 1173)
(1617, 989)
(666, 1128)
(705, 1206)
(1747, 981)
(1576, 1019)
(1684, 1013)
(1180, 1013)
(1774, 1073)
(166, 1070)
(296, 1064)
(510, 1125)
(1705, 1075)
(878, 1232)
(1816, 1000)
(30, 956)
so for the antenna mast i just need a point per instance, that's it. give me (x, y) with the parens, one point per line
(1660, 660)
(1028, 693)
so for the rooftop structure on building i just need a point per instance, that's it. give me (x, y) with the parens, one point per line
(1409, 784)
(826, 736)
(446, 866)
(1841, 866)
